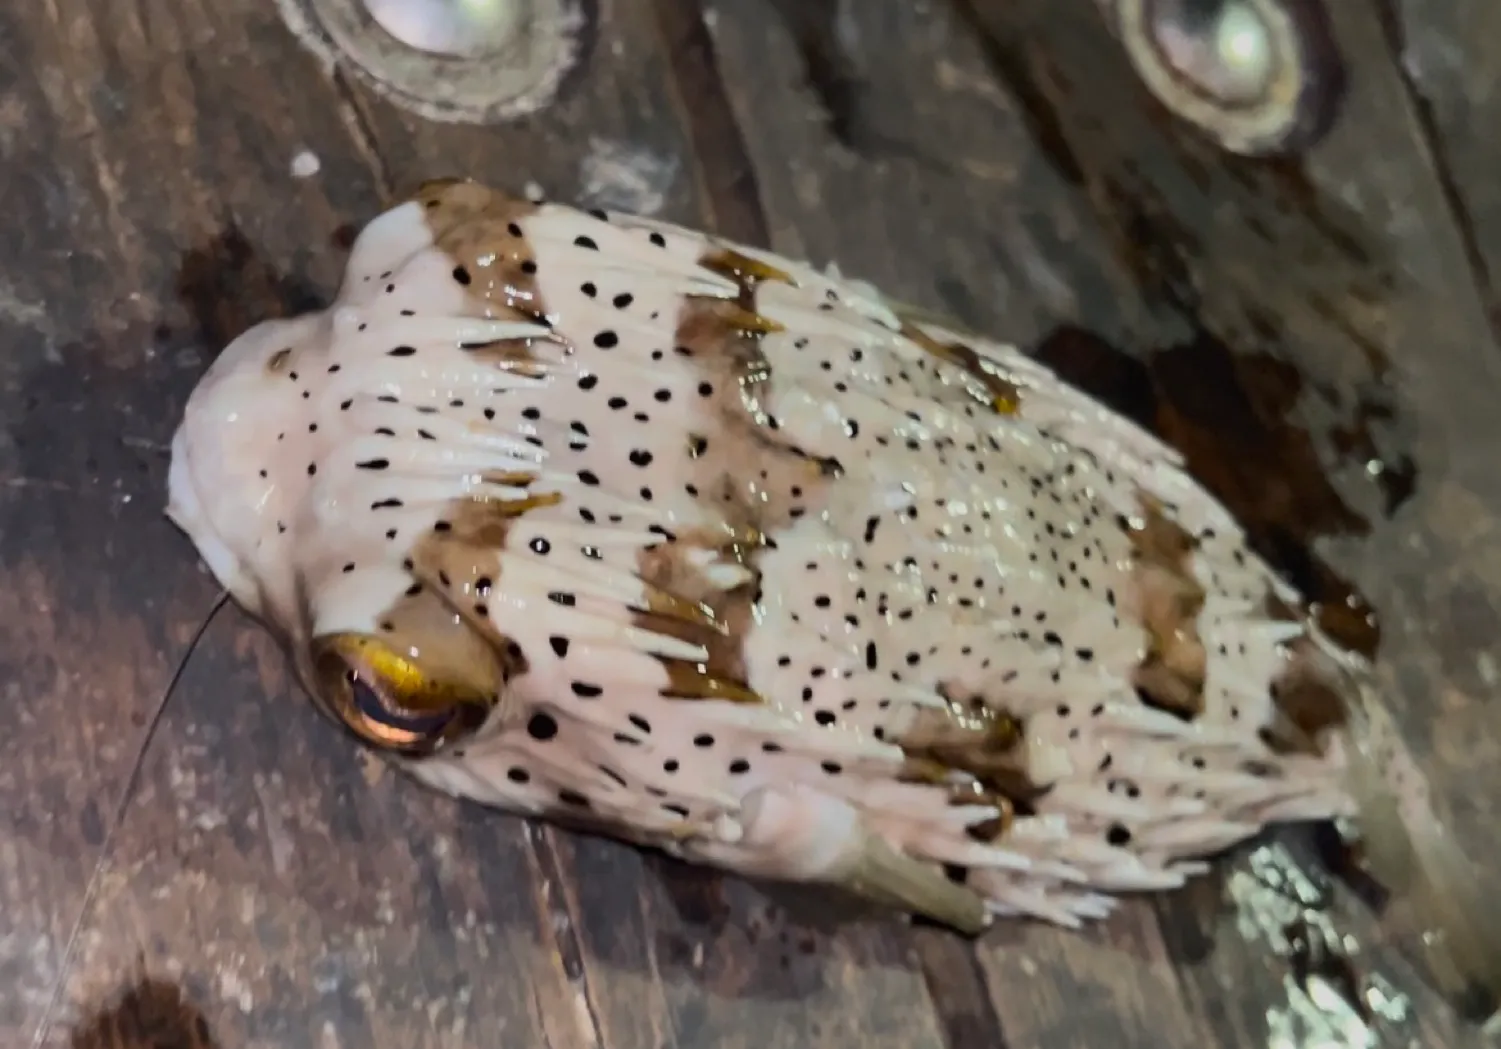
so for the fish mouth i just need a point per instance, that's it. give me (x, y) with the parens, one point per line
(185, 510)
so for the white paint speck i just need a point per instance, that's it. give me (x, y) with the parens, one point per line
(1485, 666)
(306, 164)
(32, 958)
(280, 842)
(232, 988)
(617, 176)
(210, 817)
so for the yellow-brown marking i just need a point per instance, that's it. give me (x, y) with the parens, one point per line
(435, 648)
(1168, 601)
(742, 269)
(1309, 700)
(1171, 677)
(481, 229)
(740, 467)
(693, 681)
(992, 830)
(1003, 397)
(760, 481)
(729, 616)
(1306, 693)
(975, 738)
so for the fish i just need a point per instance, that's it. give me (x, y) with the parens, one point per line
(601, 520)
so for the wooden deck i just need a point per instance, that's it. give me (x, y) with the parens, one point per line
(1288, 325)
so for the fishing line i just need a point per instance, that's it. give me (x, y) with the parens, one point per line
(132, 782)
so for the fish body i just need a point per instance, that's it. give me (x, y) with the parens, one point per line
(603, 520)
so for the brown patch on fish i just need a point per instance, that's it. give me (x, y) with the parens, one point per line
(481, 229)
(739, 469)
(727, 618)
(976, 738)
(1167, 601)
(456, 568)
(435, 648)
(1001, 396)
(278, 361)
(1306, 695)
(1308, 698)
(992, 830)
(758, 481)
(450, 648)
(666, 566)
(1348, 620)
(1171, 677)
(513, 356)
(693, 681)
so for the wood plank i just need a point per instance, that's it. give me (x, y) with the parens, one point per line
(968, 218)
(654, 970)
(286, 896)
(307, 899)
(1337, 295)
(303, 896)
(104, 306)
(1448, 56)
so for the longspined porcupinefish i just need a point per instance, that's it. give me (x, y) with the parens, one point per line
(599, 519)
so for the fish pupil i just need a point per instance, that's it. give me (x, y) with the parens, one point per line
(372, 705)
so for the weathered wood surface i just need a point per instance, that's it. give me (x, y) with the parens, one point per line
(1296, 322)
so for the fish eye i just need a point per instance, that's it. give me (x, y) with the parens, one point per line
(388, 700)
(389, 718)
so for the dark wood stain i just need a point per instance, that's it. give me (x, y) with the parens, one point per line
(1283, 332)
(1231, 417)
(151, 1014)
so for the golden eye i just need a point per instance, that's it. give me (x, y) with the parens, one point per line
(389, 700)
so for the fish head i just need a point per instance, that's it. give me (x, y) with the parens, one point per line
(272, 478)
(404, 669)
(223, 488)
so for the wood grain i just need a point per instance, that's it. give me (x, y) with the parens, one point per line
(1300, 320)
(1002, 247)
(1336, 295)
(1446, 56)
